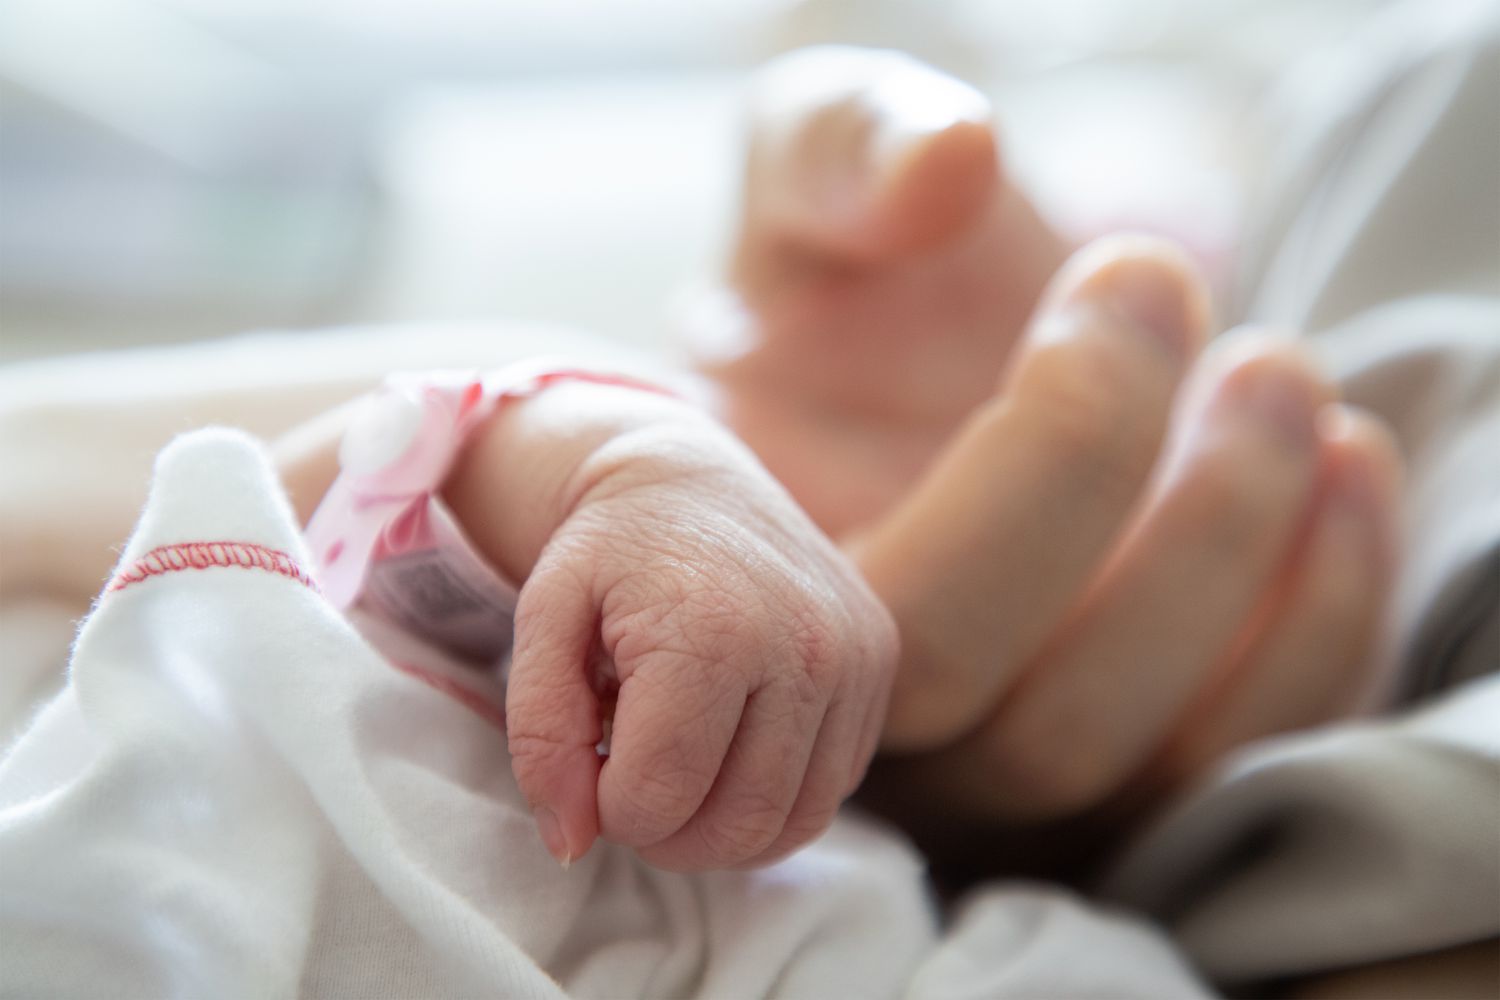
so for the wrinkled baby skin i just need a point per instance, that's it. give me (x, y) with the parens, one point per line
(748, 663)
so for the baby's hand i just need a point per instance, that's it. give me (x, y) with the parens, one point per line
(751, 663)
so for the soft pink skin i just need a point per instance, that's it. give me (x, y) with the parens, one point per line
(753, 663)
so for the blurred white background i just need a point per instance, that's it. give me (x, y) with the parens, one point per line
(175, 169)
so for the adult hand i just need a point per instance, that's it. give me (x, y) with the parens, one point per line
(1101, 591)
(1099, 594)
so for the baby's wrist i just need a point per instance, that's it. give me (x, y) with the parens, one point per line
(531, 464)
(684, 449)
(490, 446)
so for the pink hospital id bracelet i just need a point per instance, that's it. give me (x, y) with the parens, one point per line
(383, 538)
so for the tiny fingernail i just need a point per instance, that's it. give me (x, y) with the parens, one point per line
(552, 836)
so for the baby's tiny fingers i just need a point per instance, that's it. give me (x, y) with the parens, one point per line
(1313, 661)
(675, 717)
(836, 765)
(756, 787)
(552, 712)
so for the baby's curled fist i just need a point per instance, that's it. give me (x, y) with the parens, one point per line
(749, 662)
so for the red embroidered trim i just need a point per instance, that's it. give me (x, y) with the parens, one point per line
(204, 555)
(466, 696)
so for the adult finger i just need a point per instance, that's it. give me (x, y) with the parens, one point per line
(1313, 661)
(982, 558)
(859, 155)
(1171, 604)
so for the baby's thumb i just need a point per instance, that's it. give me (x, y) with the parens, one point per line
(552, 712)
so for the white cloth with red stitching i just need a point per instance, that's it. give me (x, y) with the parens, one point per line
(238, 794)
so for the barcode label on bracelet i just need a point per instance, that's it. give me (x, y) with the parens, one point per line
(448, 597)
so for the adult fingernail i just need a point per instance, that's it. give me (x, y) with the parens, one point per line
(875, 142)
(552, 835)
(1281, 397)
(1365, 478)
(1350, 483)
(912, 108)
(1149, 283)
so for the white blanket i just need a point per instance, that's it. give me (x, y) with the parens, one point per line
(237, 794)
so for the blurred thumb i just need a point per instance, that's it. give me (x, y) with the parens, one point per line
(862, 154)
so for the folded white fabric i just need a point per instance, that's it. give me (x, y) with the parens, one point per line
(1335, 848)
(1036, 942)
(237, 794)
